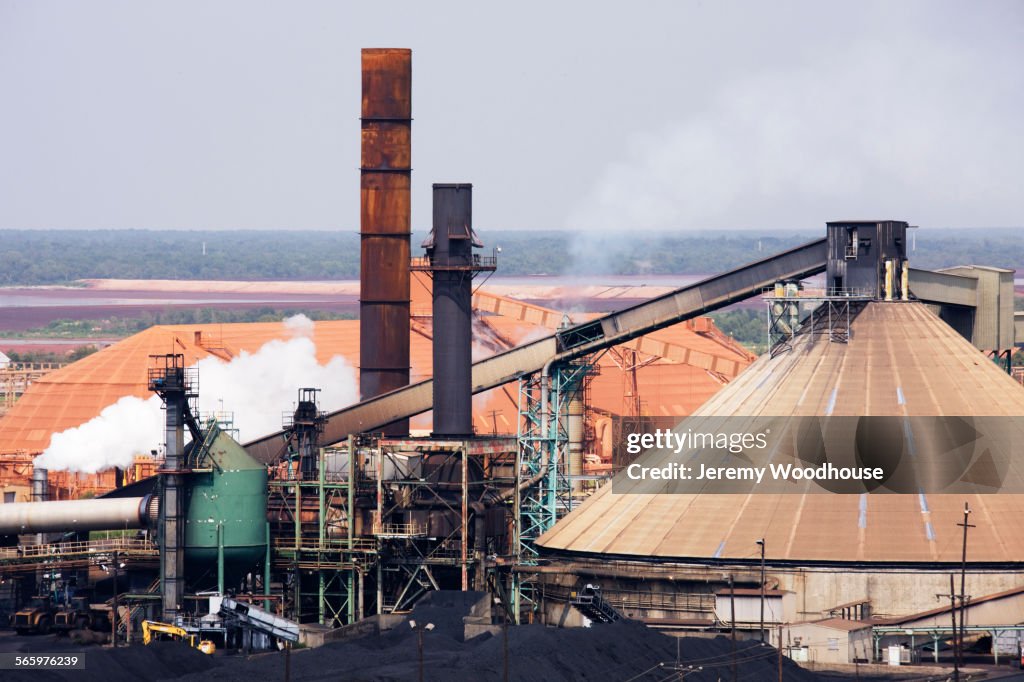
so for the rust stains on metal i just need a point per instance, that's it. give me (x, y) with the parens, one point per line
(385, 224)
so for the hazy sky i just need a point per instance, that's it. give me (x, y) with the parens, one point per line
(568, 115)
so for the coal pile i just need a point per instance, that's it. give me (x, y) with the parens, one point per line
(158, 661)
(620, 651)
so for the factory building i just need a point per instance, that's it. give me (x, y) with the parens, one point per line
(868, 351)
(361, 509)
(671, 372)
(674, 371)
(674, 551)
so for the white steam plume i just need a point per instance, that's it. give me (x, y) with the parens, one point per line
(299, 326)
(112, 438)
(258, 387)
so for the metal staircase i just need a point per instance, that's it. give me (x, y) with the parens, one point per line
(591, 604)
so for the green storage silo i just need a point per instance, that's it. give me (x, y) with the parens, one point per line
(226, 508)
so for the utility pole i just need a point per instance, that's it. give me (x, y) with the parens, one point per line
(420, 629)
(952, 615)
(732, 621)
(114, 614)
(761, 542)
(963, 577)
(779, 647)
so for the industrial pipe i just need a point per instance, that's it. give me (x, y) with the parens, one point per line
(575, 428)
(479, 542)
(77, 515)
(40, 484)
(905, 281)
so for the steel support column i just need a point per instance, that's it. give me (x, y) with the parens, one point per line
(544, 462)
(176, 386)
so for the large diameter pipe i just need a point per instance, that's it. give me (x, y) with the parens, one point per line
(75, 515)
(385, 227)
(576, 429)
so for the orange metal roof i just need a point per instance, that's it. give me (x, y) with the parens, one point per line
(75, 394)
(666, 388)
(78, 392)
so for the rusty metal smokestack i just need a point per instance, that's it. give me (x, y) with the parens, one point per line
(385, 226)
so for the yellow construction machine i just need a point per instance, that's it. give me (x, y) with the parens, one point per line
(152, 627)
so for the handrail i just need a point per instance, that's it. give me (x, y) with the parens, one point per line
(127, 546)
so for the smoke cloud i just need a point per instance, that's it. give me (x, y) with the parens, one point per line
(257, 387)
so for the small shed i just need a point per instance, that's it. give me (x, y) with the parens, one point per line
(832, 640)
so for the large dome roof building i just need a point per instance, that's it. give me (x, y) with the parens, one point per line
(893, 550)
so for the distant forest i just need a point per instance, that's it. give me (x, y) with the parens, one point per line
(126, 326)
(33, 257)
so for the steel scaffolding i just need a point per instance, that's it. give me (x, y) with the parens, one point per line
(544, 494)
(826, 315)
(321, 560)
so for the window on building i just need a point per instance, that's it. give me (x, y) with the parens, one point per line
(833, 644)
(8, 497)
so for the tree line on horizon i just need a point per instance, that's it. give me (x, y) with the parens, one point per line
(39, 257)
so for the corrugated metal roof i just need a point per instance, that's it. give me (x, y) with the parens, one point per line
(989, 268)
(901, 359)
(666, 388)
(971, 603)
(838, 624)
(75, 394)
(751, 592)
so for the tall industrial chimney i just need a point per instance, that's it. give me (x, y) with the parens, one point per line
(451, 262)
(385, 225)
